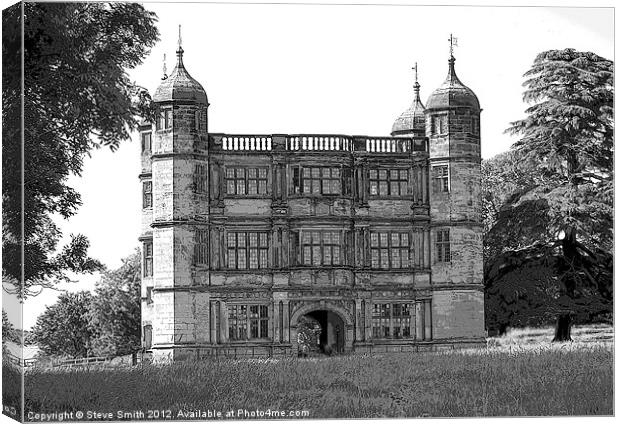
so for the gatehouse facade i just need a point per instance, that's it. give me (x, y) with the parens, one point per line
(377, 241)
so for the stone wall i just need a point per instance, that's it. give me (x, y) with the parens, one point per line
(458, 314)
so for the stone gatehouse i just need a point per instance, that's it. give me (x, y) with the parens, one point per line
(375, 240)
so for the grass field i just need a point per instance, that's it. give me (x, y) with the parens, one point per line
(520, 374)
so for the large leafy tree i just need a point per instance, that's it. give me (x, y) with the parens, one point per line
(567, 215)
(569, 128)
(77, 96)
(63, 329)
(114, 315)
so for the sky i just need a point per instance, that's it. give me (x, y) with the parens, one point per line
(338, 69)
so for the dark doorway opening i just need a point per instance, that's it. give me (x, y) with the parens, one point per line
(329, 332)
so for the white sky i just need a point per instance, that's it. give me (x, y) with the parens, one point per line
(324, 69)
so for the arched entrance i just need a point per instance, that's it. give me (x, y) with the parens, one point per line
(326, 332)
(322, 328)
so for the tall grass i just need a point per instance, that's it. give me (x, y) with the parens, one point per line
(516, 383)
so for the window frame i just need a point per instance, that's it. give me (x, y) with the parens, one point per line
(440, 181)
(147, 259)
(376, 179)
(248, 322)
(201, 247)
(147, 141)
(443, 250)
(201, 182)
(147, 194)
(389, 249)
(439, 124)
(299, 177)
(384, 320)
(322, 246)
(260, 179)
(261, 250)
(164, 119)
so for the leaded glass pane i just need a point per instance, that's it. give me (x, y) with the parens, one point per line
(241, 259)
(316, 255)
(240, 186)
(252, 187)
(374, 188)
(336, 255)
(375, 258)
(253, 258)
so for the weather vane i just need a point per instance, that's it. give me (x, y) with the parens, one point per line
(179, 35)
(453, 43)
(415, 69)
(165, 72)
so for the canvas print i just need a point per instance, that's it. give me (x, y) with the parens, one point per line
(306, 211)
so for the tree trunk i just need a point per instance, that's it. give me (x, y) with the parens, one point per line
(562, 328)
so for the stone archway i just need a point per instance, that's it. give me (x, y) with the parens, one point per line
(336, 326)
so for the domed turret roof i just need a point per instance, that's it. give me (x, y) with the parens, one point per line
(412, 119)
(452, 93)
(180, 85)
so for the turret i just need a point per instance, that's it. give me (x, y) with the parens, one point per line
(453, 129)
(180, 234)
(411, 123)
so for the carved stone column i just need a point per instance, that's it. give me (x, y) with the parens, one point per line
(359, 323)
(287, 321)
(368, 323)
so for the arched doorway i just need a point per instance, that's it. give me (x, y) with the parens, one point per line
(331, 328)
(330, 336)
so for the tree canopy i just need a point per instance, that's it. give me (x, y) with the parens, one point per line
(77, 97)
(106, 323)
(569, 131)
(63, 329)
(114, 315)
(549, 243)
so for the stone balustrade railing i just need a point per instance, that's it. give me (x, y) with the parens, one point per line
(316, 143)
(319, 142)
(246, 142)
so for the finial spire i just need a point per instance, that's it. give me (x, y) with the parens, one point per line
(416, 85)
(180, 51)
(453, 43)
(165, 71)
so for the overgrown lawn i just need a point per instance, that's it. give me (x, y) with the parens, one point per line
(456, 383)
